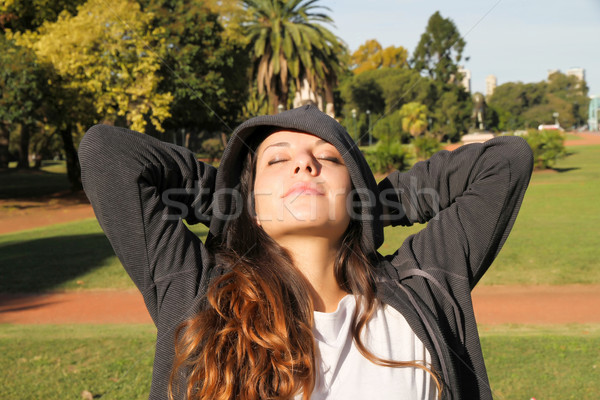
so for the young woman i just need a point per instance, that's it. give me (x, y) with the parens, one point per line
(288, 296)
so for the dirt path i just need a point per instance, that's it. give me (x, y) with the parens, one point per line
(493, 305)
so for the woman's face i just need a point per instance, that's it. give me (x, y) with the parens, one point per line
(301, 186)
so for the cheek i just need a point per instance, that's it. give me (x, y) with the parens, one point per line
(265, 192)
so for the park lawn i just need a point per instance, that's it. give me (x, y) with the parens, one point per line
(61, 361)
(49, 179)
(554, 240)
(115, 361)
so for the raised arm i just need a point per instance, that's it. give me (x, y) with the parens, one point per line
(470, 197)
(139, 188)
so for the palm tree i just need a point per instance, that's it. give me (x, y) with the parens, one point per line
(289, 42)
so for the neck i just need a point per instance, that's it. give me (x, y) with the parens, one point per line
(315, 258)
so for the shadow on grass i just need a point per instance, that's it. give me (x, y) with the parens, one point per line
(41, 265)
(25, 184)
(561, 170)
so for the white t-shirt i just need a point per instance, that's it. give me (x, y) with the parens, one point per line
(346, 374)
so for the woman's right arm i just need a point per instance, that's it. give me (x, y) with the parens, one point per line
(140, 188)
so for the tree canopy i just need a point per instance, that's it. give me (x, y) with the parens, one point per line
(371, 55)
(106, 53)
(527, 105)
(289, 43)
(439, 50)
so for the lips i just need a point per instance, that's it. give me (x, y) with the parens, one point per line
(304, 188)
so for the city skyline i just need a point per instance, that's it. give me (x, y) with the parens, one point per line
(511, 39)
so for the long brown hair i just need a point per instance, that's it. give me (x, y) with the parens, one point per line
(253, 338)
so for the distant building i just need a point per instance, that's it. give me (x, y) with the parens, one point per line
(594, 113)
(490, 85)
(307, 96)
(466, 78)
(577, 72)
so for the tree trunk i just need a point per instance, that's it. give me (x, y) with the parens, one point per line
(274, 102)
(329, 99)
(24, 147)
(4, 139)
(73, 167)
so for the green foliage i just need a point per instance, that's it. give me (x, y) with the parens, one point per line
(527, 105)
(389, 89)
(213, 148)
(547, 146)
(105, 53)
(202, 65)
(439, 50)
(426, 146)
(389, 129)
(414, 118)
(24, 89)
(364, 93)
(451, 112)
(22, 15)
(384, 157)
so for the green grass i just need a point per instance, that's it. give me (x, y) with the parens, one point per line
(61, 361)
(70, 256)
(25, 184)
(555, 239)
(115, 361)
(560, 363)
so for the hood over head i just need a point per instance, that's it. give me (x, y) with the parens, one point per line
(311, 120)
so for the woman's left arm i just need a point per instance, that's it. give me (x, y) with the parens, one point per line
(470, 198)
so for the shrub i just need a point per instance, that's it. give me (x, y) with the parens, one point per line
(426, 146)
(547, 147)
(213, 148)
(384, 158)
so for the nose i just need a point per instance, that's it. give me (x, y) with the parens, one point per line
(305, 163)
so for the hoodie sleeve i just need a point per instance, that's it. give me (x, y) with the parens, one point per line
(470, 198)
(140, 189)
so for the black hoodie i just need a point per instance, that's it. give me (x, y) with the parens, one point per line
(141, 188)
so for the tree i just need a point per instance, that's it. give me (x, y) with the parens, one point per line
(573, 91)
(23, 92)
(203, 67)
(371, 55)
(284, 36)
(451, 114)
(22, 15)
(105, 69)
(439, 50)
(106, 53)
(414, 118)
(527, 105)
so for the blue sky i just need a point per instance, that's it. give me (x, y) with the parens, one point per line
(516, 40)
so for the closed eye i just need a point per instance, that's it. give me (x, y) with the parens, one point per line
(332, 159)
(276, 161)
